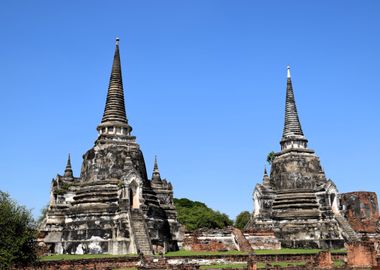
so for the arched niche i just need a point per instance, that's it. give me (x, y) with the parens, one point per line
(134, 195)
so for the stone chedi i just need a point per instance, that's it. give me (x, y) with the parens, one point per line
(296, 200)
(112, 207)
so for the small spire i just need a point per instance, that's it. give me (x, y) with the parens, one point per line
(288, 75)
(156, 177)
(155, 164)
(117, 41)
(68, 170)
(266, 179)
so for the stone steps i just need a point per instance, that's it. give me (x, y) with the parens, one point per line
(140, 232)
(302, 195)
(348, 232)
(296, 205)
(300, 203)
(294, 214)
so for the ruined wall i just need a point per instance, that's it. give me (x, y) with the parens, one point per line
(361, 209)
(361, 254)
(229, 239)
(262, 240)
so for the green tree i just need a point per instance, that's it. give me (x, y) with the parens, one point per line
(17, 234)
(242, 220)
(271, 157)
(195, 215)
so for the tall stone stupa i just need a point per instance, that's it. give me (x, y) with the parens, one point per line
(112, 207)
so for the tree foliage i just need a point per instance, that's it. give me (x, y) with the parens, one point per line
(17, 234)
(271, 157)
(242, 220)
(195, 215)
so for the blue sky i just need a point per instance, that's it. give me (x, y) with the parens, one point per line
(204, 84)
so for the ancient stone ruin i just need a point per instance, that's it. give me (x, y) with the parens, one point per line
(112, 207)
(229, 239)
(296, 200)
(361, 210)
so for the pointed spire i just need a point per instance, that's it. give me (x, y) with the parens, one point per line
(156, 173)
(68, 170)
(266, 179)
(114, 112)
(292, 127)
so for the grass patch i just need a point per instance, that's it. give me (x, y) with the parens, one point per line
(203, 253)
(260, 251)
(67, 257)
(60, 257)
(338, 263)
(224, 266)
(261, 265)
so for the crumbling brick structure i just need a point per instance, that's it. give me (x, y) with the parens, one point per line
(361, 255)
(361, 209)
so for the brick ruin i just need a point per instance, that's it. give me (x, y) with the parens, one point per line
(361, 209)
(299, 203)
(112, 207)
(229, 239)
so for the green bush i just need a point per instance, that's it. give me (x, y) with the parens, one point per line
(242, 220)
(195, 215)
(17, 234)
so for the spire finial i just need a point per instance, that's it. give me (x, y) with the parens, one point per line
(117, 41)
(288, 73)
(265, 170)
(68, 169)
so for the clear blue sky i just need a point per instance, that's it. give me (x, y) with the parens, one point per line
(205, 89)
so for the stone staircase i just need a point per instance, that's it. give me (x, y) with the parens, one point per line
(348, 232)
(240, 240)
(140, 232)
(295, 204)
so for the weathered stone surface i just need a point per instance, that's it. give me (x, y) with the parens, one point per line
(297, 201)
(242, 242)
(361, 209)
(112, 207)
(227, 239)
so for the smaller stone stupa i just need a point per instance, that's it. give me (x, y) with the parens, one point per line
(297, 201)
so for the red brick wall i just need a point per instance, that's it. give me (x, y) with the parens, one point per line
(361, 254)
(362, 210)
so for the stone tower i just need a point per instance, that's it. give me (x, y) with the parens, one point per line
(297, 201)
(112, 207)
